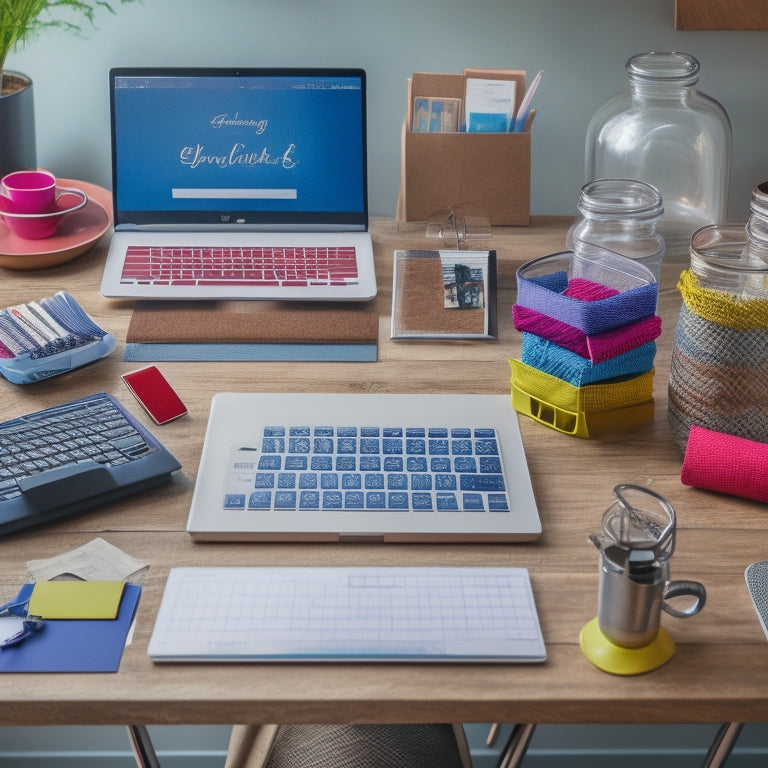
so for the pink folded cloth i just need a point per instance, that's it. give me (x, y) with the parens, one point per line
(597, 348)
(588, 290)
(726, 463)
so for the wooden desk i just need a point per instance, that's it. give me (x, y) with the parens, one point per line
(720, 671)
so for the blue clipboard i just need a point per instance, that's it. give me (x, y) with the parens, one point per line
(74, 645)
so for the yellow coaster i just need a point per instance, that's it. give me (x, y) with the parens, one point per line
(76, 599)
(619, 660)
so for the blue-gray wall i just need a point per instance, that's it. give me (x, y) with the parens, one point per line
(582, 46)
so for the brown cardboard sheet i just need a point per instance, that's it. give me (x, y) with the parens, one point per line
(265, 322)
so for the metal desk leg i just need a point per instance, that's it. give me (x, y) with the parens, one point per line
(490, 739)
(723, 744)
(516, 747)
(143, 750)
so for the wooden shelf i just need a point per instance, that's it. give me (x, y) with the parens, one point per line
(721, 14)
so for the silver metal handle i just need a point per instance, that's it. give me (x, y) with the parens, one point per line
(675, 589)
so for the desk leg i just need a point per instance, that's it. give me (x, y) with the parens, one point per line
(516, 747)
(141, 744)
(723, 744)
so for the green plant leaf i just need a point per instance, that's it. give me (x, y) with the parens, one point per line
(22, 20)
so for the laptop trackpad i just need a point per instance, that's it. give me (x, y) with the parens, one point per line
(65, 485)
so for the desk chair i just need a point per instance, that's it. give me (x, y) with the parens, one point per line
(366, 746)
(348, 746)
(378, 746)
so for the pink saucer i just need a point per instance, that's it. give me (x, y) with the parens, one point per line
(79, 231)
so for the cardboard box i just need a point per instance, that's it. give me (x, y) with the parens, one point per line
(489, 170)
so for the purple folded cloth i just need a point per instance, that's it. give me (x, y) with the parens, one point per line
(592, 312)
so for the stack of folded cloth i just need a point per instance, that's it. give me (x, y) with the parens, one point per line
(589, 328)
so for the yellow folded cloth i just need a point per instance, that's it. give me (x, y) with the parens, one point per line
(607, 395)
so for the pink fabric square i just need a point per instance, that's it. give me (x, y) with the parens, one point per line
(726, 463)
(588, 290)
(608, 344)
(597, 348)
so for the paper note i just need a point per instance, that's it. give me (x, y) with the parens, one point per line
(95, 561)
(76, 599)
(490, 105)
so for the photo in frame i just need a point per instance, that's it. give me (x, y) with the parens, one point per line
(448, 294)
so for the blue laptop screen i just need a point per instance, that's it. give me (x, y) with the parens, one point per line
(249, 146)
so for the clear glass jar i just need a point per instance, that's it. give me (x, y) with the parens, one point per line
(664, 131)
(733, 258)
(621, 215)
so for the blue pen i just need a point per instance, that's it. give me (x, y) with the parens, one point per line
(525, 104)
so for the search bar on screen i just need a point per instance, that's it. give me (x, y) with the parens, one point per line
(226, 193)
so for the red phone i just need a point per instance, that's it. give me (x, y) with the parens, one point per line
(155, 394)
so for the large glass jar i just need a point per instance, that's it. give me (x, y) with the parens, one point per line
(621, 215)
(664, 131)
(719, 369)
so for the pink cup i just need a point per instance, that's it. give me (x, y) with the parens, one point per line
(29, 191)
(36, 226)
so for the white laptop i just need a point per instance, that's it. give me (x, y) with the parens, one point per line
(240, 176)
(363, 468)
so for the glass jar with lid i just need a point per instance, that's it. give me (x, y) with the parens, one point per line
(621, 215)
(719, 369)
(662, 130)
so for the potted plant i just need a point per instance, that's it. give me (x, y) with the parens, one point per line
(20, 21)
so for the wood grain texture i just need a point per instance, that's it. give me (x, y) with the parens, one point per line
(720, 670)
(721, 15)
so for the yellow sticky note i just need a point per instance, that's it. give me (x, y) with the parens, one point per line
(76, 599)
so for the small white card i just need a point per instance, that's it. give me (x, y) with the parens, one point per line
(490, 105)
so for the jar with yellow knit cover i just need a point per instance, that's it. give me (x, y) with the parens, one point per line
(719, 372)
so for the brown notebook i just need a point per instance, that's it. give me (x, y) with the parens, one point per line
(251, 330)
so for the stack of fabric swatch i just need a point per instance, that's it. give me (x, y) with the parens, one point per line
(589, 328)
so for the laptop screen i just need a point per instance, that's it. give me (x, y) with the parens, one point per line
(254, 146)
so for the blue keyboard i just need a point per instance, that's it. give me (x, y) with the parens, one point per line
(69, 457)
(372, 468)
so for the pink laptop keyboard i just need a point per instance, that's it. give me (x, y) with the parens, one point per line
(240, 266)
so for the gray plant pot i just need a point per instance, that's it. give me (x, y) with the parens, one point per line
(17, 124)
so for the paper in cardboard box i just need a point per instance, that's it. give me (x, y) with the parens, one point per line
(517, 75)
(438, 170)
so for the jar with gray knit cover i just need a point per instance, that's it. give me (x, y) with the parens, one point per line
(719, 372)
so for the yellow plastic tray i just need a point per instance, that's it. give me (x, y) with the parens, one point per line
(579, 423)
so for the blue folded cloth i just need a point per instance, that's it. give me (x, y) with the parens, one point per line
(558, 361)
